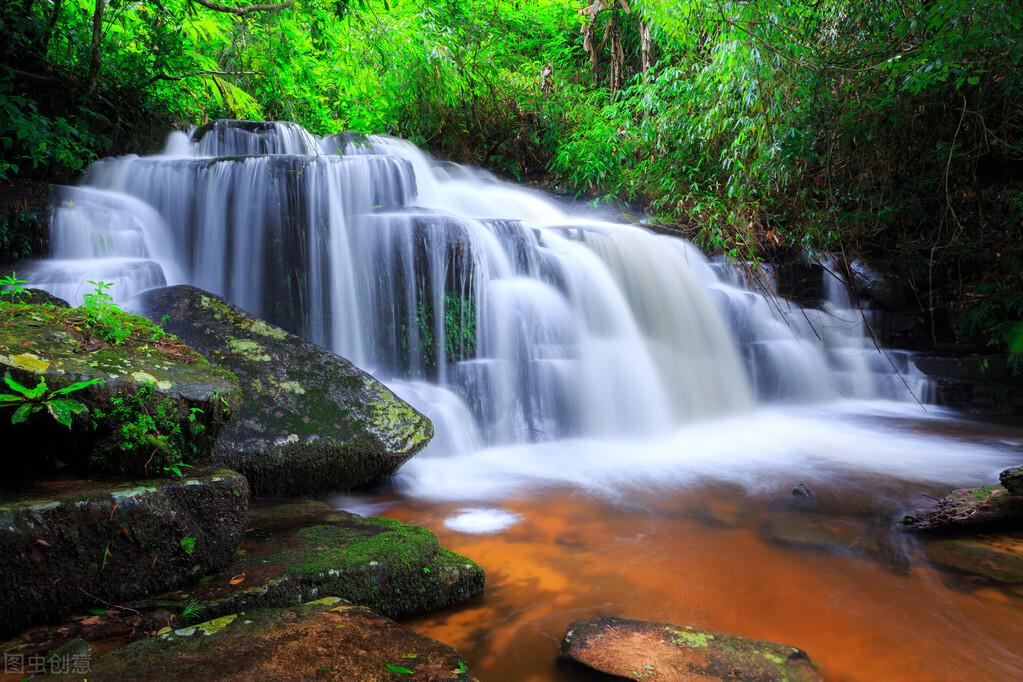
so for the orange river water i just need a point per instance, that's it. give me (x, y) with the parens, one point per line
(699, 556)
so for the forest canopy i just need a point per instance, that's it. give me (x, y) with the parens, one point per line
(891, 130)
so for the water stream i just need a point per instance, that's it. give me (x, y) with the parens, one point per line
(567, 362)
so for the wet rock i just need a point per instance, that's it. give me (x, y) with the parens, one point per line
(151, 373)
(995, 557)
(301, 550)
(803, 492)
(890, 293)
(989, 506)
(1012, 480)
(327, 640)
(40, 297)
(848, 534)
(308, 420)
(69, 544)
(816, 531)
(654, 652)
(980, 384)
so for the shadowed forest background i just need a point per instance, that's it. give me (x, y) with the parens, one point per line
(890, 131)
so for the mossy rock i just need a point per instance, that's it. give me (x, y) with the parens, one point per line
(67, 544)
(151, 374)
(990, 506)
(1012, 480)
(302, 550)
(323, 640)
(997, 558)
(652, 652)
(309, 420)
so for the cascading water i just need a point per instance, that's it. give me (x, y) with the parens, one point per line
(504, 317)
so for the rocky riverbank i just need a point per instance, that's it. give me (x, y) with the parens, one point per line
(134, 445)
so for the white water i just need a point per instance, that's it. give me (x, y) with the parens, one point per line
(545, 346)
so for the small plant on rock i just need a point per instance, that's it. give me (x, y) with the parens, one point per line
(11, 289)
(104, 317)
(28, 401)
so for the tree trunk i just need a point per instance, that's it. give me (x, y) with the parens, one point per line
(97, 40)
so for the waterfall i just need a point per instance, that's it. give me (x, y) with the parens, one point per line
(498, 312)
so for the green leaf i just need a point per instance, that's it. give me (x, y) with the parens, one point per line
(10, 398)
(22, 414)
(77, 386)
(64, 409)
(188, 544)
(400, 670)
(462, 667)
(9, 380)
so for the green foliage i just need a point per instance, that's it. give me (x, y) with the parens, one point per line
(28, 401)
(104, 317)
(148, 425)
(188, 544)
(400, 669)
(191, 611)
(12, 289)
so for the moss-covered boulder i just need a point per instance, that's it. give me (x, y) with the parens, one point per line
(324, 640)
(308, 420)
(1012, 480)
(987, 506)
(301, 550)
(656, 652)
(997, 558)
(68, 544)
(156, 402)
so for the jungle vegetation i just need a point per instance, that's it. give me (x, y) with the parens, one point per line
(887, 129)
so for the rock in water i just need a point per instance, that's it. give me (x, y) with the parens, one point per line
(662, 652)
(990, 505)
(994, 557)
(1012, 480)
(323, 640)
(309, 420)
(298, 550)
(68, 544)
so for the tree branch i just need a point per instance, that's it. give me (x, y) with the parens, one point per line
(242, 11)
(167, 77)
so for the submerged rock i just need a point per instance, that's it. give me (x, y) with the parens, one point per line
(156, 401)
(309, 420)
(323, 640)
(990, 505)
(302, 550)
(995, 557)
(654, 652)
(69, 544)
(1012, 480)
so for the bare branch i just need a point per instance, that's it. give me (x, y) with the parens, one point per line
(242, 11)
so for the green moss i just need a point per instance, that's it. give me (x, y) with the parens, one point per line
(248, 349)
(690, 638)
(391, 414)
(214, 626)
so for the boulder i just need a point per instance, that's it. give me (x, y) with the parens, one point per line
(301, 550)
(993, 557)
(309, 420)
(844, 534)
(655, 652)
(991, 506)
(157, 402)
(67, 544)
(1012, 480)
(323, 640)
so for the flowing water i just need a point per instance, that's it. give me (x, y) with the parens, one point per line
(601, 395)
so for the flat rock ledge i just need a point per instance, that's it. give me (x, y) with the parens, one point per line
(309, 420)
(323, 640)
(70, 544)
(987, 506)
(662, 652)
(302, 550)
